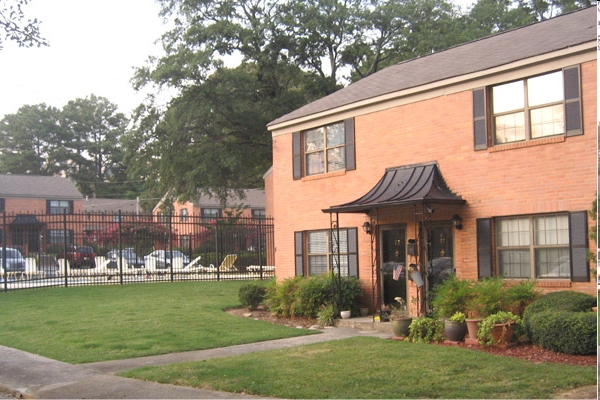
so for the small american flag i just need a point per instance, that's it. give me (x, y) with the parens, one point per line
(397, 272)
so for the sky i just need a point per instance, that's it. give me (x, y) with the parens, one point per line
(94, 47)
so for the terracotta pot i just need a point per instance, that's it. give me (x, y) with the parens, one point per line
(502, 333)
(473, 327)
(400, 326)
(455, 331)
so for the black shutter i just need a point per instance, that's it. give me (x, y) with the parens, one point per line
(484, 248)
(580, 271)
(349, 139)
(299, 253)
(480, 136)
(353, 252)
(297, 155)
(573, 124)
(71, 207)
(47, 206)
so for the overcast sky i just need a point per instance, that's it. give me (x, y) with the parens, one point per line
(94, 46)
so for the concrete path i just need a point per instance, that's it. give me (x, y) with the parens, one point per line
(33, 376)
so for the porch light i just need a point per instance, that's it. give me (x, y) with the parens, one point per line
(367, 227)
(457, 221)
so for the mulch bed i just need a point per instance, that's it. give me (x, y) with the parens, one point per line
(525, 351)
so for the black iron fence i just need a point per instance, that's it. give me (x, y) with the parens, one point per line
(104, 249)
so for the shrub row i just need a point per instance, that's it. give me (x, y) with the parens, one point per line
(562, 322)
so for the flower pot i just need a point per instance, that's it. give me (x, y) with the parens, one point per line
(455, 331)
(502, 333)
(400, 326)
(345, 314)
(473, 327)
(364, 311)
(417, 278)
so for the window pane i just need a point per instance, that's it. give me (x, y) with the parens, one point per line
(514, 263)
(545, 89)
(508, 97)
(336, 159)
(510, 127)
(313, 139)
(317, 265)
(547, 121)
(317, 242)
(551, 230)
(335, 134)
(513, 232)
(343, 264)
(315, 163)
(552, 263)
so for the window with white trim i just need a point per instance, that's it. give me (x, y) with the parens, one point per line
(211, 212)
(533, 247)
(322, 251)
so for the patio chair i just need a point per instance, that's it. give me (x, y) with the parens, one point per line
(194, 265)
(227, 264)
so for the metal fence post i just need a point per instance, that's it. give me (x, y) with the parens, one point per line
(120, 246)
(4, 230)
(65, 248)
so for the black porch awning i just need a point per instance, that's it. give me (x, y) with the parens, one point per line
(409, 184)
(26, 219)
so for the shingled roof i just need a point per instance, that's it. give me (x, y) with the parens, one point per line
(37, 186)
(544, 37)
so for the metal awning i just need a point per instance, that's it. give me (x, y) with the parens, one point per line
(26, 219)
(409, 184)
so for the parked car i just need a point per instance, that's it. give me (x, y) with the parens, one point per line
(79, 256)
(14, 260)
(162, 258)
(48, 266)
(128, 254)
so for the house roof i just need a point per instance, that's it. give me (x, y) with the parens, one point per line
(402, 185)
(254, 198)
(544, 37)
(110, 205)
(37, 186)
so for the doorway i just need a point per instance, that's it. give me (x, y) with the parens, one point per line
(393, 264)
(441, 253)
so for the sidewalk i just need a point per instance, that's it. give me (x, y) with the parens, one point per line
(33, 376)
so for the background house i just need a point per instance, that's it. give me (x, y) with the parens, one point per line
(479, 160)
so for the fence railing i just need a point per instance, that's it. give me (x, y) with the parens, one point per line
(100, 249)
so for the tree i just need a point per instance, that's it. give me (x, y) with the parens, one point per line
(16, 28)
(29, 140)
(90, 152)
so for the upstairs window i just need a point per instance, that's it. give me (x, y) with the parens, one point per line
(324, 149)
(258, 213)
(59, 206)
(528, 109)
(211, 212)
(183, 215)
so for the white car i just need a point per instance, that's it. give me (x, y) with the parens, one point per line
(162, 258)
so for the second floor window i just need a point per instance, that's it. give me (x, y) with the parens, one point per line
(183, 214)
(60, 207)
(211, 212)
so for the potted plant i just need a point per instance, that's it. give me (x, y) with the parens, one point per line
(497, 328)
(455, 327)
(486, 299)
(399, 320)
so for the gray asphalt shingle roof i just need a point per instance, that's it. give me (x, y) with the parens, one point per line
(529, 41)
(37, 186)
(254, 198)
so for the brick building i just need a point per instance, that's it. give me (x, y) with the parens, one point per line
(479, 160)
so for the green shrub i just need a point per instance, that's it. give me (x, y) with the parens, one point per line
(565, 300)
(305, 296)
(488, 297)
(425, 330)
(565, 331)
(252, 294)
(451, 296)
(518, 297)
(326, 316)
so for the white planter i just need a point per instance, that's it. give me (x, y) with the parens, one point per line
(345, 314)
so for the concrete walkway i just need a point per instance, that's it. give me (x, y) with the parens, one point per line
(33, 376)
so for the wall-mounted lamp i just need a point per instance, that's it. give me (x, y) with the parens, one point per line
(457, 221)
(367, 227)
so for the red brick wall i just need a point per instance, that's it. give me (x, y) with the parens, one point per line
(552, 175)
(37, 206)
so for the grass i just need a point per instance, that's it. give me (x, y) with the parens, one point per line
(87, 324)
(365, 367)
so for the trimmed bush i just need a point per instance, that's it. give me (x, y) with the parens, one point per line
(252, 294)
(565, 331)
(565, 300)
(306, 296)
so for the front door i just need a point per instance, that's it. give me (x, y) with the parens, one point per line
(441, 255)
(393, 263)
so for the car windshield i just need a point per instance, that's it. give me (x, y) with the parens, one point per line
(11, 253)
(84, 249)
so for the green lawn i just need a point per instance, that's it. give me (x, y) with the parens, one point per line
(97, 323)
(87, 324)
